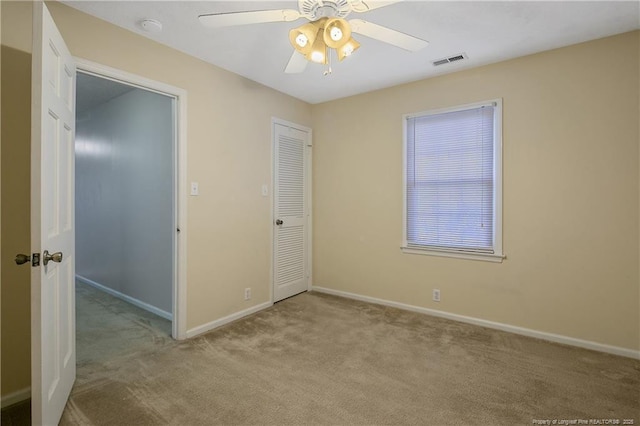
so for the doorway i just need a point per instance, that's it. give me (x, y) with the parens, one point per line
(124, 192)
(129, 155)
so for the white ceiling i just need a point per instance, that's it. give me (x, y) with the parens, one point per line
(485, 31)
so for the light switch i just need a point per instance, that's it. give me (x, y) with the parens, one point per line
(194, 188)
(265, 190)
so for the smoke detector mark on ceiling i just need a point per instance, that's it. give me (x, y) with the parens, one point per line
(151, 25)
(450, 59)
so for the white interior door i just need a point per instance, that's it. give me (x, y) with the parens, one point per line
(291, 265)
(53, 360)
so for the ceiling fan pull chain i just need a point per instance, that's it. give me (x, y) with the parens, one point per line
(329, 70)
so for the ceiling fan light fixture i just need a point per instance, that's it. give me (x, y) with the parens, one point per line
(347, 49)
(318, 53)
(319, 57)
(337, 32)
(302, 40)
(303, 37)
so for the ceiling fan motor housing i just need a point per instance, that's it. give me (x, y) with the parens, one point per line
(316, 9)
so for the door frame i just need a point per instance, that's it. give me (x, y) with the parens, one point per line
(179, 279)
(308, 199)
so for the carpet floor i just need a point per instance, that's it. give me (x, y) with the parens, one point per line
(320, 359)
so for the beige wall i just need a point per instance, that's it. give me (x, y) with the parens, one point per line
(229, 154)
(16, 137)
(571, 195)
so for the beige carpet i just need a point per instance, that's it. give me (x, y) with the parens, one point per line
(318, 359)
(108, 328)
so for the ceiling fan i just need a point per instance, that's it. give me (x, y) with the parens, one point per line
(326, 30)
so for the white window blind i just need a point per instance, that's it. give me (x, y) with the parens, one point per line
(450, 180)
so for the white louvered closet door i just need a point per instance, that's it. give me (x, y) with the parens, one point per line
(291, 219)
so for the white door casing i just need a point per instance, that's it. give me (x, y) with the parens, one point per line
(53, 357)
(291, 201)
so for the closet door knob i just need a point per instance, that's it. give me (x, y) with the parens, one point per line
(279, 222)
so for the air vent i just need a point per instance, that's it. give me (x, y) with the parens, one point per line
(450, 59)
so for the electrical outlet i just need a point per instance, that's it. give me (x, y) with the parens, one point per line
(247, 293)
(436, 295)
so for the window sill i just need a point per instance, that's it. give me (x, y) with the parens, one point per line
(486, 257)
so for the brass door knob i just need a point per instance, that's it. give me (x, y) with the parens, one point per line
(56, 257)
(22, 259)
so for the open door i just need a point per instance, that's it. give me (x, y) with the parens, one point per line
(53, 354)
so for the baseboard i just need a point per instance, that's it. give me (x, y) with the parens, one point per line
(122, 296)
(557, 338)
(15, 397)
(222, 321)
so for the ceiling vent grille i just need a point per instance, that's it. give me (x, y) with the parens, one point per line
(450, 59)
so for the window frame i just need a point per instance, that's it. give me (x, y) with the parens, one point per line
(497, 255)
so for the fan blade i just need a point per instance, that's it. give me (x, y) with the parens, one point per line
(387, 35)
(296, 64)
(217, 20)
(366, 5)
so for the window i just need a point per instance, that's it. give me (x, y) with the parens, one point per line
(453, 182)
